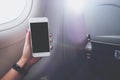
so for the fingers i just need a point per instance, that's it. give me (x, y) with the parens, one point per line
(50, 35)
(51, 40)
(51, 47)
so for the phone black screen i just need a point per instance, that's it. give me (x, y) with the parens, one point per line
(39, 37)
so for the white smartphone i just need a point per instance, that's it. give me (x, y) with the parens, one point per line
(39, 36)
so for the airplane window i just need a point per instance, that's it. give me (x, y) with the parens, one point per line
(13, 13)
(11, 9)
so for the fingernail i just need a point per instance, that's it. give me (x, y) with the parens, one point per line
(51, 35)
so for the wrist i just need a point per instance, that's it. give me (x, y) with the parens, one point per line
(20, 66)
(22, 62)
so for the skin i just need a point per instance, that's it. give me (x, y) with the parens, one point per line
(25, 61)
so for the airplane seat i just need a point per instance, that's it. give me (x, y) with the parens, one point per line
(102, 21)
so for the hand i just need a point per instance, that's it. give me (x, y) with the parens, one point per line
(27, 58)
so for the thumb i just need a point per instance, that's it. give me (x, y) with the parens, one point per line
(27, 39)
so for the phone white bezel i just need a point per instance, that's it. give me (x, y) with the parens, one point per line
(36, 20)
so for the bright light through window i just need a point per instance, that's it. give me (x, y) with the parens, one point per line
(11, 9)
(76, 6)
